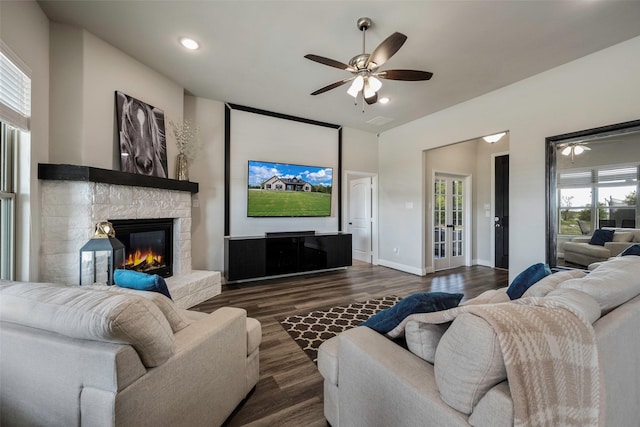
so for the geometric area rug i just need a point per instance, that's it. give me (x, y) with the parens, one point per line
(312, 329)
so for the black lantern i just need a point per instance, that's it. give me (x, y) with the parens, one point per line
(100, 255)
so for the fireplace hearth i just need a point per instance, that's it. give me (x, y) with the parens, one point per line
(148, 243)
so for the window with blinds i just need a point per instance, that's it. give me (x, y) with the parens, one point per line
(15, 90)
(15, 112)
(606, 175)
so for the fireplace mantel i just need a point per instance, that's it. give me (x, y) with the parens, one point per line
(90, 174)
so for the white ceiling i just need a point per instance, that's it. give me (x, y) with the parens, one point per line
(252, 52)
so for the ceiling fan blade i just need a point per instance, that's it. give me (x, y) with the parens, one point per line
(329, 62)
(332, 86)
(386, 49)
(406, 75)
(372, 99)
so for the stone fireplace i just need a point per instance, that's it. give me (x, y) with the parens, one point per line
(75, 198)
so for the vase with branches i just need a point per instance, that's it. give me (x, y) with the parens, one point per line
(186, 135)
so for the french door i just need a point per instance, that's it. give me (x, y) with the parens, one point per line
(449, 208)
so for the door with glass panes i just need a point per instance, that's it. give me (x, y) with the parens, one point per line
(448, 222)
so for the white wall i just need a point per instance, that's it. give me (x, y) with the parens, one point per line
(85, 73)
(24, 28)
(207, 218)
(597, 90)
(271, 139)
(359, 151)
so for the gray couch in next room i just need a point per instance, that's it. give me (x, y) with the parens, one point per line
(107, 356)
(580, 251)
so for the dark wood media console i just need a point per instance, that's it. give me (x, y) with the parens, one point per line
(284, 253)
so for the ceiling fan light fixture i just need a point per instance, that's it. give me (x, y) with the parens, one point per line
(494, 138)
(374, 83)
(356, 86)
(368, 91)
(566, 151)
(578, 149)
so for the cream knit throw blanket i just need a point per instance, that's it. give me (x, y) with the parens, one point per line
(550, 356)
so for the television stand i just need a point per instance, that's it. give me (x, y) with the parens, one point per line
(278, 254)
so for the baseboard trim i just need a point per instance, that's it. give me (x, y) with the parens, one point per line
(401, 267)
(482, 262)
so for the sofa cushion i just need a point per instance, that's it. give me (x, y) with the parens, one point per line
(141, 281)
(601, 236)
(621, 236)
(468, 362)
(525, 279)
(551, 282)
(93, 315)
(175, 318)
(495, 409)
(614, 282)
(423, 338)
(421, 302)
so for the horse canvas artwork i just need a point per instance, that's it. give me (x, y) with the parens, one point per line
(143, 147)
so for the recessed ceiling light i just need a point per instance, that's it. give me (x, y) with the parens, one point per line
(383, 100)
(188, 43)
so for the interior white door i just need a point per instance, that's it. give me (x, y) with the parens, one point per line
(449, 200)
(360, 218)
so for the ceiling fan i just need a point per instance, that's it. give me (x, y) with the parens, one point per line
(573, 149)
(365, 67)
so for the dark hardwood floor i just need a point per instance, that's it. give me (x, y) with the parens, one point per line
(289, 391)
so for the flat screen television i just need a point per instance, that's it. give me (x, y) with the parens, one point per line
(287, 190)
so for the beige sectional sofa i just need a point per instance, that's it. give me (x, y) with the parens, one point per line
(106, 356)
(453, 374)
(579, 251)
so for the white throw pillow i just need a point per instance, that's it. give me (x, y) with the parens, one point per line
(166, 306)
(613, 283)
(468, 362)
(551, 282)
(423, 338)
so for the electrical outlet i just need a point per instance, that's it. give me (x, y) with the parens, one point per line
(396, 251)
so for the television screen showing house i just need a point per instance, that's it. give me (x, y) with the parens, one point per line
(284, 190)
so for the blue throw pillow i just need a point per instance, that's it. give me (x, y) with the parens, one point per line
(600, 237)
(141, 281)
(422, 302)
(524, 280)
(632, 250)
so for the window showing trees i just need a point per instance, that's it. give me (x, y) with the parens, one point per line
(600, 197)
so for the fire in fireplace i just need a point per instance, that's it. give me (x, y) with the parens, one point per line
(148, 243)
